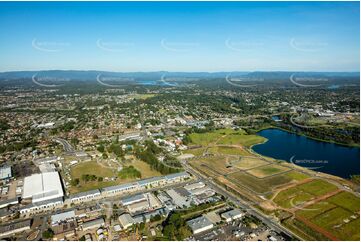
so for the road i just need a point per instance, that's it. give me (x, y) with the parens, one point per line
(270, 222)
(66, 145)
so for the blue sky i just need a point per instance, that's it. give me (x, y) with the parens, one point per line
(180, 36)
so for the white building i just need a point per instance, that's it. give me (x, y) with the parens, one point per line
(232, 215)
(62, 217)
(5, 172)
(200, 224)
(42, 187)
(126, 220)
(85, 196)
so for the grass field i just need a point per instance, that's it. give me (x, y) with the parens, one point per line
(195, 152)
(248, 162)
(268, 170)
(297, 176)
(145, 169)
(317, 187)
(315, 209)
(226, 150)
(292, 198)
(245, 140)
(258, 185)
(346, 200)
(91, 168)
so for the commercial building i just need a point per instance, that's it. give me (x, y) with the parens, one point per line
(62, 217)
(13, 228)
(96, 223)
(85, 196)
(126, 220)
(5, 173)
(133, 199)
(200, 224)
(232, 215)
(43, 187)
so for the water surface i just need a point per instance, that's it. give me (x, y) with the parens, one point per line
(320, 156)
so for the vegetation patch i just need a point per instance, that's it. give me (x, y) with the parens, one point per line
(129, 172)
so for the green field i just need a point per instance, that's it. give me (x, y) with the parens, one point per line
(91, 168)
(244, 140)
(224, 150)
(297, 176)
(268, 170)
(195, 152)
(257, 185)
(317, 187)
(292, 198)
(315, 209)
(346, 200)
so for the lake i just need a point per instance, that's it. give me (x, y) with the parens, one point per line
(320, 156)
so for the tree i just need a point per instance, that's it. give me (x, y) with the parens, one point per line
(48, 234)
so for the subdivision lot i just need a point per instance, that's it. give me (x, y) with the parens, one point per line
(244, 140)
(215, 163)
(292, 198)
(245, 163)
(267, 170)
(227, 150)
(242, 179)
(317, 187)
(346, 200)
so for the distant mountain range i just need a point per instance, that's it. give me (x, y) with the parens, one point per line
(92, 74)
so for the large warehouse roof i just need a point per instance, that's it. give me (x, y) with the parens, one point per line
(43, 186)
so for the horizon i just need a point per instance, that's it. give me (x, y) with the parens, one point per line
(180, 37)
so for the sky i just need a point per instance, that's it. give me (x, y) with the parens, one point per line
(180, 36)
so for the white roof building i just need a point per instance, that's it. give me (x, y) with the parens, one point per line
(200, 224)
(232, 215)
(126, 220)
(62, 217)
(42, 187)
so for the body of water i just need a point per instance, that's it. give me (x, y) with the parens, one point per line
(320, 156)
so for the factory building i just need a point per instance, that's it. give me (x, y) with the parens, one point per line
(200, 224)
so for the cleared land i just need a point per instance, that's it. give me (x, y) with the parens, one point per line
(268, 170)
(216, 163)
